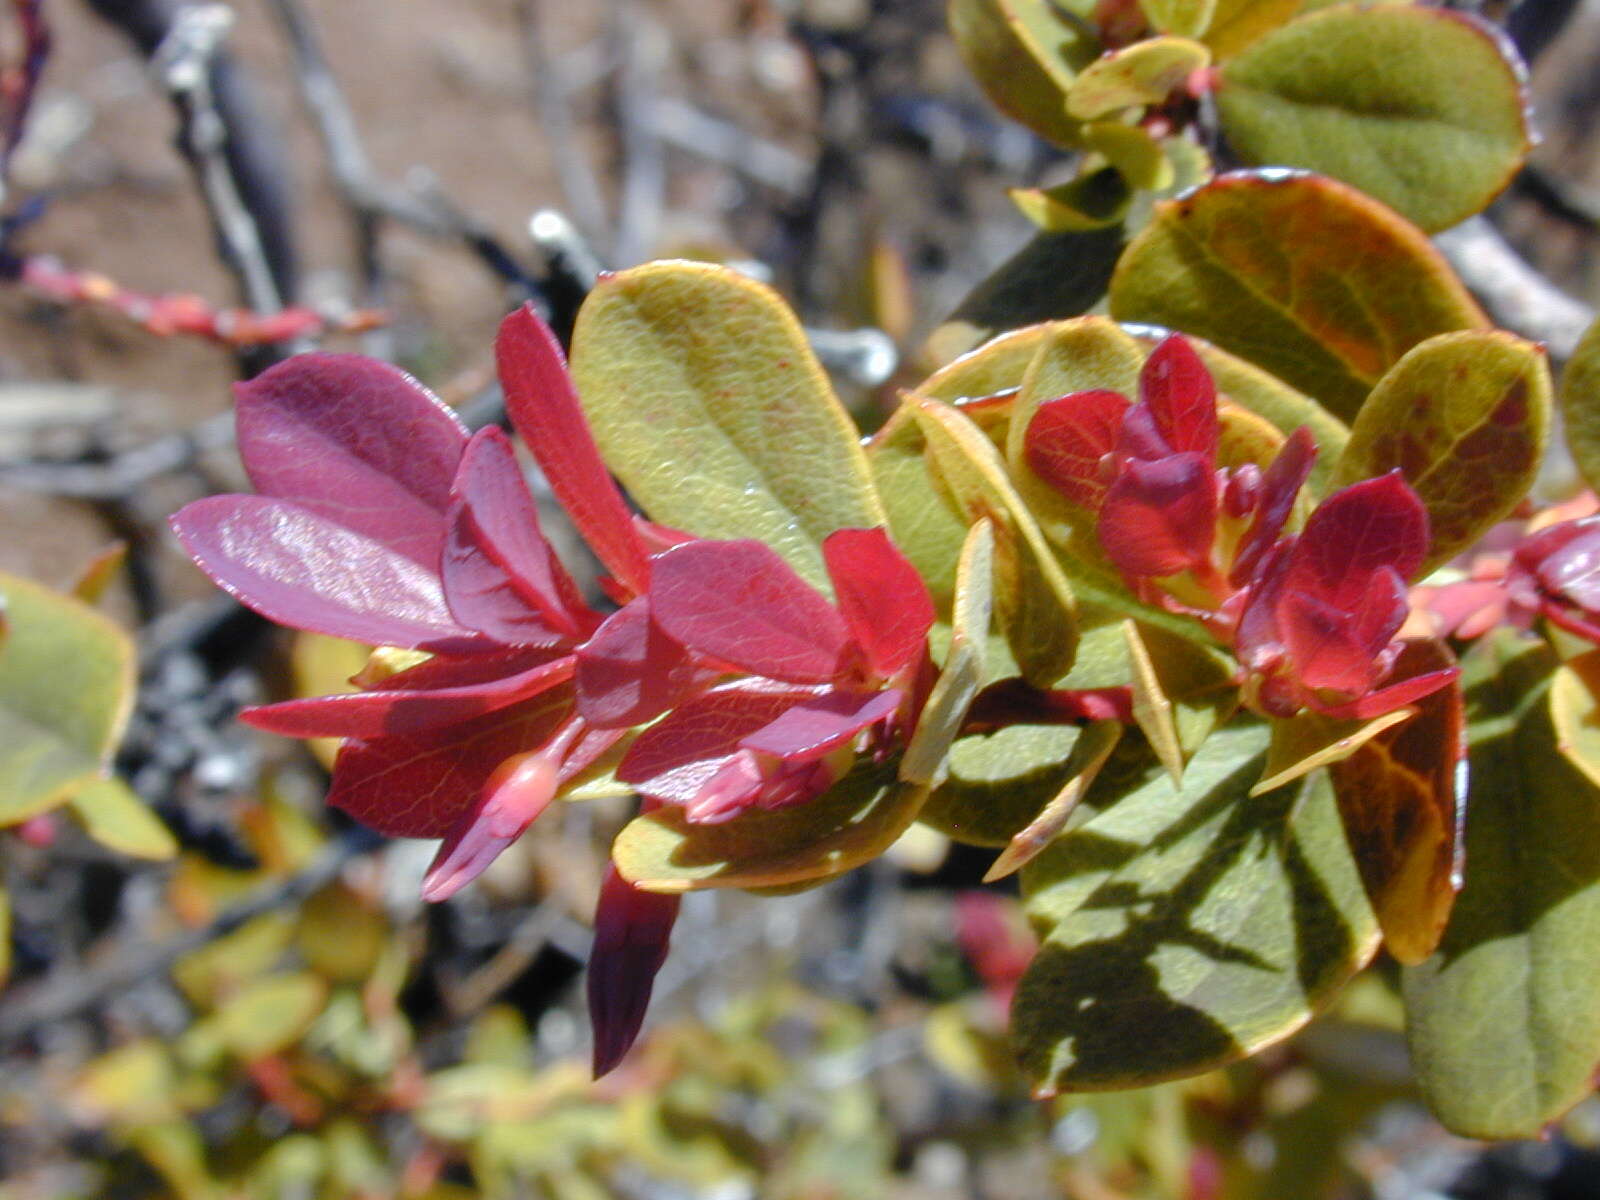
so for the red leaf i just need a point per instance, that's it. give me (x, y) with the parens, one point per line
(1069, 436)
(1159, 518)
(1182, 397)
(632, 931)
(302, 570)
(631, 672)
(544, 407)
(882, 599)
(1323, 646)
(1568, 564)
(354, 440)
(1354, 532)
(1279, 486)
(417, 699)
(819, 724)
(741, 604)
(500, 574)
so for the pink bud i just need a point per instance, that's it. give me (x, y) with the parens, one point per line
(38, 831)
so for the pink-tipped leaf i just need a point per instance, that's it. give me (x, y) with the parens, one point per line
(883, 600)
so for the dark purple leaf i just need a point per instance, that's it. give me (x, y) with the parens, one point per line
(632, 930)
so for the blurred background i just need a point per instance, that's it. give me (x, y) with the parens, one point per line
(272, 1012)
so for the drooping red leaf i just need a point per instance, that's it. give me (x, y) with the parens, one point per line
(1159, 517)
(1391, 696)
(883, 600)
(420, 785)
(631, 672)
(1323, 645)
(500, 574)
(1256, 635)
(357, 441)
(1068, 437)
(1354, 532)
(410, 705)
(301, 570)
(1280, 484)
(675, 757)
(632, 931)
(1182, 397)
(544, 407)
(819, 724)
(738, 602)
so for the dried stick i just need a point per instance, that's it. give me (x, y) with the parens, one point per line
(1516, 295)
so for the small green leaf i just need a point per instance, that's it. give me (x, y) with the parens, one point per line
(1184, 933)
(1465, 417)
(1299, 274)
(1034, 601)
(1301, 744)
(225, 964)
(1186, 18)
(1423, 108)
(66, 688)
(1132, 150)
(1144, 73)
(1024, 54)
(269, 1015)
(1580, 405)
(965, 667)
(706, 370)
(115, 816)
(855, 821)
(1093, 200)
(1504, 1020)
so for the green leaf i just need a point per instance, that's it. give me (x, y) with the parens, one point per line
(1580, 405)
(1298, 274)
(1183, 933)
(269, 1015)
(706, 370)
(920, 522)
(855, 821)
(1152, 710)
(1303, 743)
(113, 815)
(1000, 781)
(1024, 54)
(1238, 24)
(1096, 198)
(1186, 18)
(1504, 1020)
(1465, 417)
(1034, 601)
(965, 668)
(1134, 151)
(1144, 73)
(1423, 108)
(1575, 712)
(66, 688)
(1089, 755)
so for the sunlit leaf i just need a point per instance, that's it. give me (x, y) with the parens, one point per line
(323, 666)
(114, 815)
(1186, 18)
(1575, 712)
(1303, 743)
(66, 689)
(1095, 199)
(1142, 160)
(1580, 404)
(1423, 108)
(1237, 24)
(998, 782)
(1151, 708)
(1183, 933)
(1144, 73)
(1024, 54)
(1465, 417)
(1299, 274)
(1089, 755)
(708, 370)
(1504, 1020)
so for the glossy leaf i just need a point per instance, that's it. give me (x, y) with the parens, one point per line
(1580, 405)
(356, 441)
(66, 689)
(1144, 73)
(630, 671)
(1034, 602)
(1422, 108)
(113, 815)
(1465, 417)
(1301, 275)
(1403, 796)
(1182, 934)
(1514, 965)
(1024, 54)
(704, 369)
(855, 821)
(965, 667)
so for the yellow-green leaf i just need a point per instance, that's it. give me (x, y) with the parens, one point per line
(66, 689)
(1152, 711)
(1186, 18)
(1464, 416)
(1423, 108)
(1024, 54)
(1580, 405)
(998, 782)
(269, 1015)
(1303, 743)
(1146, 72)
(1132, 150)
(1299, 274)
(709, 405)
(1575, 712)
(1089, 755)
(1238, 24)
(1093, 200)
(116, 817)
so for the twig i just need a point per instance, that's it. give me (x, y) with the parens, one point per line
(635, 87)
(123, 475)
(1516, 295)
(687, 128)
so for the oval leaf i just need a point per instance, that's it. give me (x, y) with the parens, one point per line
(1024, 54)
(1580, 405)
(1301, 275)
(1464, 416)
(113, 815)
(1424, 108)
(704, 369)
(1144, 73)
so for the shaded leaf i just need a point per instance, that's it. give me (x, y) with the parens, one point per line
(1514, 964)
(321, 666)
(1303, 743)
(1089, 755)
(1299, 274)
(1144, 73)
(1142, 160)
(113, 815)
(1464, 416)
(1095, 199)
(998, 782)
(1151, 708)
(707, 370)
(1422, 108)
(1024, 54)
(1580, 405)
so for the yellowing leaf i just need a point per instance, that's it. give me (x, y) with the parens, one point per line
(1299, 274)
(1186, 18)
(1238, 24)
(113, 815)
(1575, 712)
(1423, 108)
(709, 405)
(1465, 417)
(1024, 54)
(320, 665)
(1146, 72)
(269, 1015)
(1303, 743)
(66, 688)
